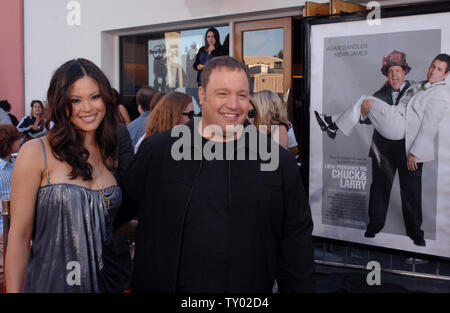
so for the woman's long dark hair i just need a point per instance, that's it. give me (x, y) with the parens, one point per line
(216, 36)
(66, 141)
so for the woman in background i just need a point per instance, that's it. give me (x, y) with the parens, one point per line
(123, 115)
(211, 49)
(173, 109)
(33, 126)
(272, 112)
(64, 194)
(253, 112)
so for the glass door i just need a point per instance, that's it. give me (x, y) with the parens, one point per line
(265, 46)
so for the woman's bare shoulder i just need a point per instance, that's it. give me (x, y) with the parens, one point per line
(32, 151)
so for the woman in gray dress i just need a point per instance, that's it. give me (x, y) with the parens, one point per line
(64, 194)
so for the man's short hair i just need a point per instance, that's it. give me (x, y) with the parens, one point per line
(221, 61)
(144, 97)
(443, 57)
(156, 97)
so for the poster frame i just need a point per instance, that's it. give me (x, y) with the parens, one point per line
(308, 22)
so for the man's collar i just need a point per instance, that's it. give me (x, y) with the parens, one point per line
(400, 89)
(428, 84)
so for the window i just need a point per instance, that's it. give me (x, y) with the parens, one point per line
(161, 60)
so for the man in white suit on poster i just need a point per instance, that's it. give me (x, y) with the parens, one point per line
(425, 111)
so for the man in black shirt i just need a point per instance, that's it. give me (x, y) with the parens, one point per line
(221, 223)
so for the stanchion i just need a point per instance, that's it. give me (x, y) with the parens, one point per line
(4, 242)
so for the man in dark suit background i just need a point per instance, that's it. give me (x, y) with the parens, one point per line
(388, 156)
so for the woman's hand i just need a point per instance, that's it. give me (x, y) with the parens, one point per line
(35, 125)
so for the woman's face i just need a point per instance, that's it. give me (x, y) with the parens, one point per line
(36, 110)
(185, 115)
(211, 39)
(88, 108)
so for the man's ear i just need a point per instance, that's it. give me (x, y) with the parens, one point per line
(446, 75)
(201, 95)
(140, 109)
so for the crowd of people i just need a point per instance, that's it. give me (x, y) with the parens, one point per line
(89, 186)
(99, 203)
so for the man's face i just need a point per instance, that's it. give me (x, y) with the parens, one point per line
(436, 72)
(226, 98)
(396, 76)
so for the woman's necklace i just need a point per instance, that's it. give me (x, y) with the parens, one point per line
(107, 202)
(102, 190)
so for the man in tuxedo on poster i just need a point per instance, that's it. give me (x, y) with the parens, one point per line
(389, 156)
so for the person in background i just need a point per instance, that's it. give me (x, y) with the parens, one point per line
(254, 118)
(132, 106)
(4, 117)
(10, 143)
(292, 144)
(64, 194)
(190, 82)
(211, 49)
(124, 118)
(173, 109)
(272, 112)
(253, 112)
(226, 45)
(156, 98)
(33, 126)
(4, 104)
(143, 99)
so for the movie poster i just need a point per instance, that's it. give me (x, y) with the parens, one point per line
(346, 64)
(157, 60)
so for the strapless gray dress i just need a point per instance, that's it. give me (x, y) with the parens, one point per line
(72, 249)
